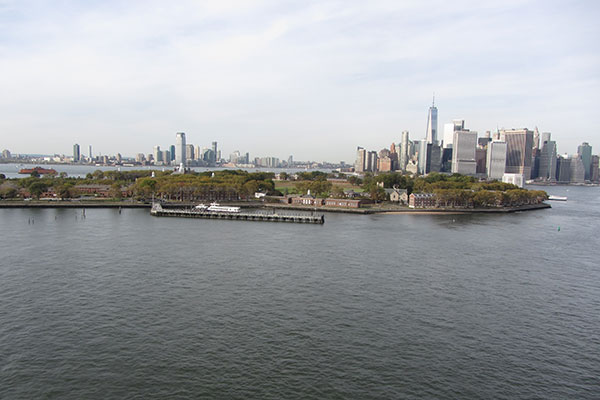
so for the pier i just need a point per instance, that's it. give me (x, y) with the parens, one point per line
(158, 211)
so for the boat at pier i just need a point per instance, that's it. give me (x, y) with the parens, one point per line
(216, 207)
(557, 198)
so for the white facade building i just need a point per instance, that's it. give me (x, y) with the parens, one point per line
(496, 160)
(463, 153)
(180, 148)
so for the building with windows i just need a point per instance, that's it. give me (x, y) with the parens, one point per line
(180, 148)
(496, 160)
(519, 147)
(463, 152)
(547, 169)
(584, 151)
(432, 124)
(76, 153)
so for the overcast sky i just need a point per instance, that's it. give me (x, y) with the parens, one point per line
(310, 78)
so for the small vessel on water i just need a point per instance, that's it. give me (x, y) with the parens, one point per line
(557, 198)
(216, 207)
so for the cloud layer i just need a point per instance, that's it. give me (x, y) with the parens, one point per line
(312, 79)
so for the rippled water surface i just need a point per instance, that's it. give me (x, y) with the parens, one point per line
(386, 306)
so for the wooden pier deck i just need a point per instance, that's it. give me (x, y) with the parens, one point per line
(158, 211)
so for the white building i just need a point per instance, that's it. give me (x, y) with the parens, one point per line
(432, 125)
(463, 152)
(496, 160)
(450, 128)
(515, 179)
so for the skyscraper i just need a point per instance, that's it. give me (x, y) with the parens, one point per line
(361, 160)
(463, 152)
(158, 155)
(189, 152)
(90, 154)
(215, 150)
(450, 128)
(76, 153)
(180, 148)
(547, 169)
(404, 151)
(496, 160)
(519, 146)
(172, 152)
(431, 135)
(584, 150)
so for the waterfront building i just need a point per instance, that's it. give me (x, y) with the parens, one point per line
(197, 152)
(422, 200)
(90, 153)
(563, 169)
(584, 150)
(6, 154)
(594, 174)
(519, 146)
(172, 151)
(463, 152)
(515, 179)
(180, 149)
(547, 170)
(398, 195)
(158, 155)
(76, 153)
(140, 158)
(166, 157)
(431, 133)
(496, 160)
(577, 169)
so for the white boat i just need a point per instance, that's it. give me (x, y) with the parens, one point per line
(218, 208)
(201, 207)
(557, 198)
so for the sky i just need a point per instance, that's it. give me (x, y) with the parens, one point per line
(312, 79)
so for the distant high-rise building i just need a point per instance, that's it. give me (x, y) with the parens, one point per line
(180, 148)
(431, 134)
(450, 128)
(519, 146)
(404, 151)
(76, 153)
(197, 153)
(422, 160)
(372, 161)
(536, 138)
(496, 160)
(172, 152)
(595, 174)
(290, 161)
(577, 169)
(166, 157)
(90, 152)
(463, 152)
(547, 170)
(6, 154)
(158, 155)
(480, 161)
(215, 150)
(584, 150)
(361, 160)
(189, 152)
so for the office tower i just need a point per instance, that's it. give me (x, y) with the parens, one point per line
(6, 154)
(404, 151)
(90, 152)
(496, 160)
(547, 170)
(290, 161)
(480, 160)
(189, 152)
(371, 161)
(431, 135)
(595, 173)
(172, 152)
(519, 146)
(577, 169)
(197, 153)
(215, 150)
(361, 160)
(449, 129)
(180, 148)
(76, 154)
(166, 157)
(536, 138)
(158, 155)
(585, 152)
(422, 158)
(463, 152)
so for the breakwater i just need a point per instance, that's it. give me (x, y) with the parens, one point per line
(158, 211)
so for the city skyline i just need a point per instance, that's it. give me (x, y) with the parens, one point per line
(311, 80)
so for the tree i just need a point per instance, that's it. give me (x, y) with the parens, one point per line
(115, 191)
(377, 193)
(2, 176)
(37, 188)
(35, 174)
(8, 192)
(283, 176)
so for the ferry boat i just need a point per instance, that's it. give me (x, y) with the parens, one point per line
(39, 170)
(557, 198)
(219, 208)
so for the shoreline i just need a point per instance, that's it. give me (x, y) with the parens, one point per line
(360, 211)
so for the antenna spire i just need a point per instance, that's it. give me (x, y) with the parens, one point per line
(433, 102)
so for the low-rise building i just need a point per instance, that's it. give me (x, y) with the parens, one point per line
(398, 195)
(422, 200)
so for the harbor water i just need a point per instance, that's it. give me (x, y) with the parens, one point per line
(123, 305)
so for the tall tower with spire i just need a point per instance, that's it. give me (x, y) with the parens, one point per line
(432, 124)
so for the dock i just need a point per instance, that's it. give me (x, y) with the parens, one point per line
(158, 211)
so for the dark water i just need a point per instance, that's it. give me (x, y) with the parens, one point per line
(387, 306)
